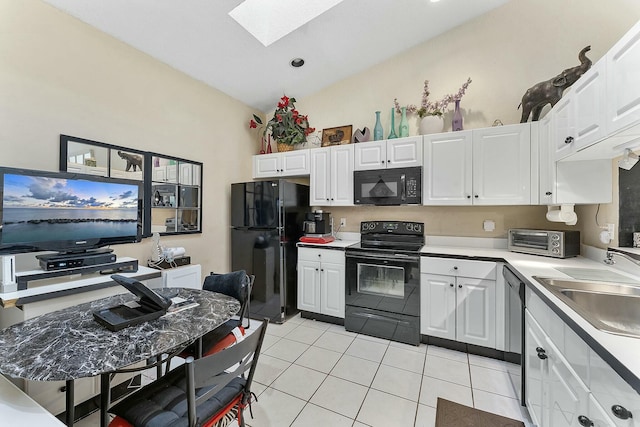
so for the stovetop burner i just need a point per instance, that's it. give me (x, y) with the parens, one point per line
(396, 236)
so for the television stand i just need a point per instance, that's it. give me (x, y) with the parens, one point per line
(66, 260)
(127, 265)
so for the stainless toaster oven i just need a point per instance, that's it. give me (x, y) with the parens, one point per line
(557, 244)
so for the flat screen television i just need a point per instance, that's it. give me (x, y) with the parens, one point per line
(66, 212)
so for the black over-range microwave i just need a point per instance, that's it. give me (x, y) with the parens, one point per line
(387, 187)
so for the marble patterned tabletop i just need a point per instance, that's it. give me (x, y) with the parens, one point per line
(69, 344)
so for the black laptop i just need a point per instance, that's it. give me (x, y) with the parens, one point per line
(150, 306)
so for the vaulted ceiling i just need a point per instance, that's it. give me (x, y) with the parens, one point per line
(201, 39)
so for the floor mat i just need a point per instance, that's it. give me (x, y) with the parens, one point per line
(451, 414)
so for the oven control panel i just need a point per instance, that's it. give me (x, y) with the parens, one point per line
(392, 227)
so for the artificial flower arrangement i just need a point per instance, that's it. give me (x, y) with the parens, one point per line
(428, 108)
(287, 125)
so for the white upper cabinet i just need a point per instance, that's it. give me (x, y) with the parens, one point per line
(599, 115)
(392, 153)
(502, 165)
(490, 166)
(289, 163)
(589, 110)
(448, 159)
(623, 81)
(578, 119)
(580, 181)
(331, 179)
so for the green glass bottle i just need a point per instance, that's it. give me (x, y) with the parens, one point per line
(378, 133)
(392, 134)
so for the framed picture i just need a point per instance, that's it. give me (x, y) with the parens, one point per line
(336, 136)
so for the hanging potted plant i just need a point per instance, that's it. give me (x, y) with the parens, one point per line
(287, 126)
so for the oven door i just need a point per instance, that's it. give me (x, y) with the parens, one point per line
(383, 282)
(383, 296)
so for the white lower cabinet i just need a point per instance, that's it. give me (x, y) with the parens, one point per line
(567, 382)
(555, 394)
(321, 281)
(461, 304)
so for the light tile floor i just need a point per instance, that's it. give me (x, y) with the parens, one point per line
(316, 374)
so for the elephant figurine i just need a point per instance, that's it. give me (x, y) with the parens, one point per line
(133, 160)
(550, 91)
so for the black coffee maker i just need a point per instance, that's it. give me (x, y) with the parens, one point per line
(317, 223)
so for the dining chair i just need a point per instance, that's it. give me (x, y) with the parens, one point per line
(211, 391)
(238, 285)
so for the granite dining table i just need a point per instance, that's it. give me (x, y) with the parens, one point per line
(69, 344)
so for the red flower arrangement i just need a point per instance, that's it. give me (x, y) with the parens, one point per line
(287, 125)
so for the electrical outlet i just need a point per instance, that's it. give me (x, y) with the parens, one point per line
(343, 222)
(611, 229)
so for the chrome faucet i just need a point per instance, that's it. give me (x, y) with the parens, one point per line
(634, 258)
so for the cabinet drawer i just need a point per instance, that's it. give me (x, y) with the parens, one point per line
(322, 255)
(458, 267)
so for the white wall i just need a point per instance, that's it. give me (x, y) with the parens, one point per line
(60, 76)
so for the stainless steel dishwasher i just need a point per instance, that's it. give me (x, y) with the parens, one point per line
(515, 323)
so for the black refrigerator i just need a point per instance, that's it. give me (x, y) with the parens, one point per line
(266, 224)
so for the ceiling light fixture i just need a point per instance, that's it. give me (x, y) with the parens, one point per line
(297, 62)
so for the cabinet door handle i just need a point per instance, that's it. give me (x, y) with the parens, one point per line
(584, 421)
(455, 267)
(540, 350)
(542, 356)
(548, 193)
(316, 269)
(383, 162)
(451, 284)
(476, 196)
(460, 286)
(468, 196)
(621, 412)
(322, 269)
(568, 140)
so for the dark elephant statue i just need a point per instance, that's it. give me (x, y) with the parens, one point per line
(133, 160)
(550, 91)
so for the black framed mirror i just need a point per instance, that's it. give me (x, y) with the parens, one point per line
(172, 186)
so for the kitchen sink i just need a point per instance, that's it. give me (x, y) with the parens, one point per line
(608, 306)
